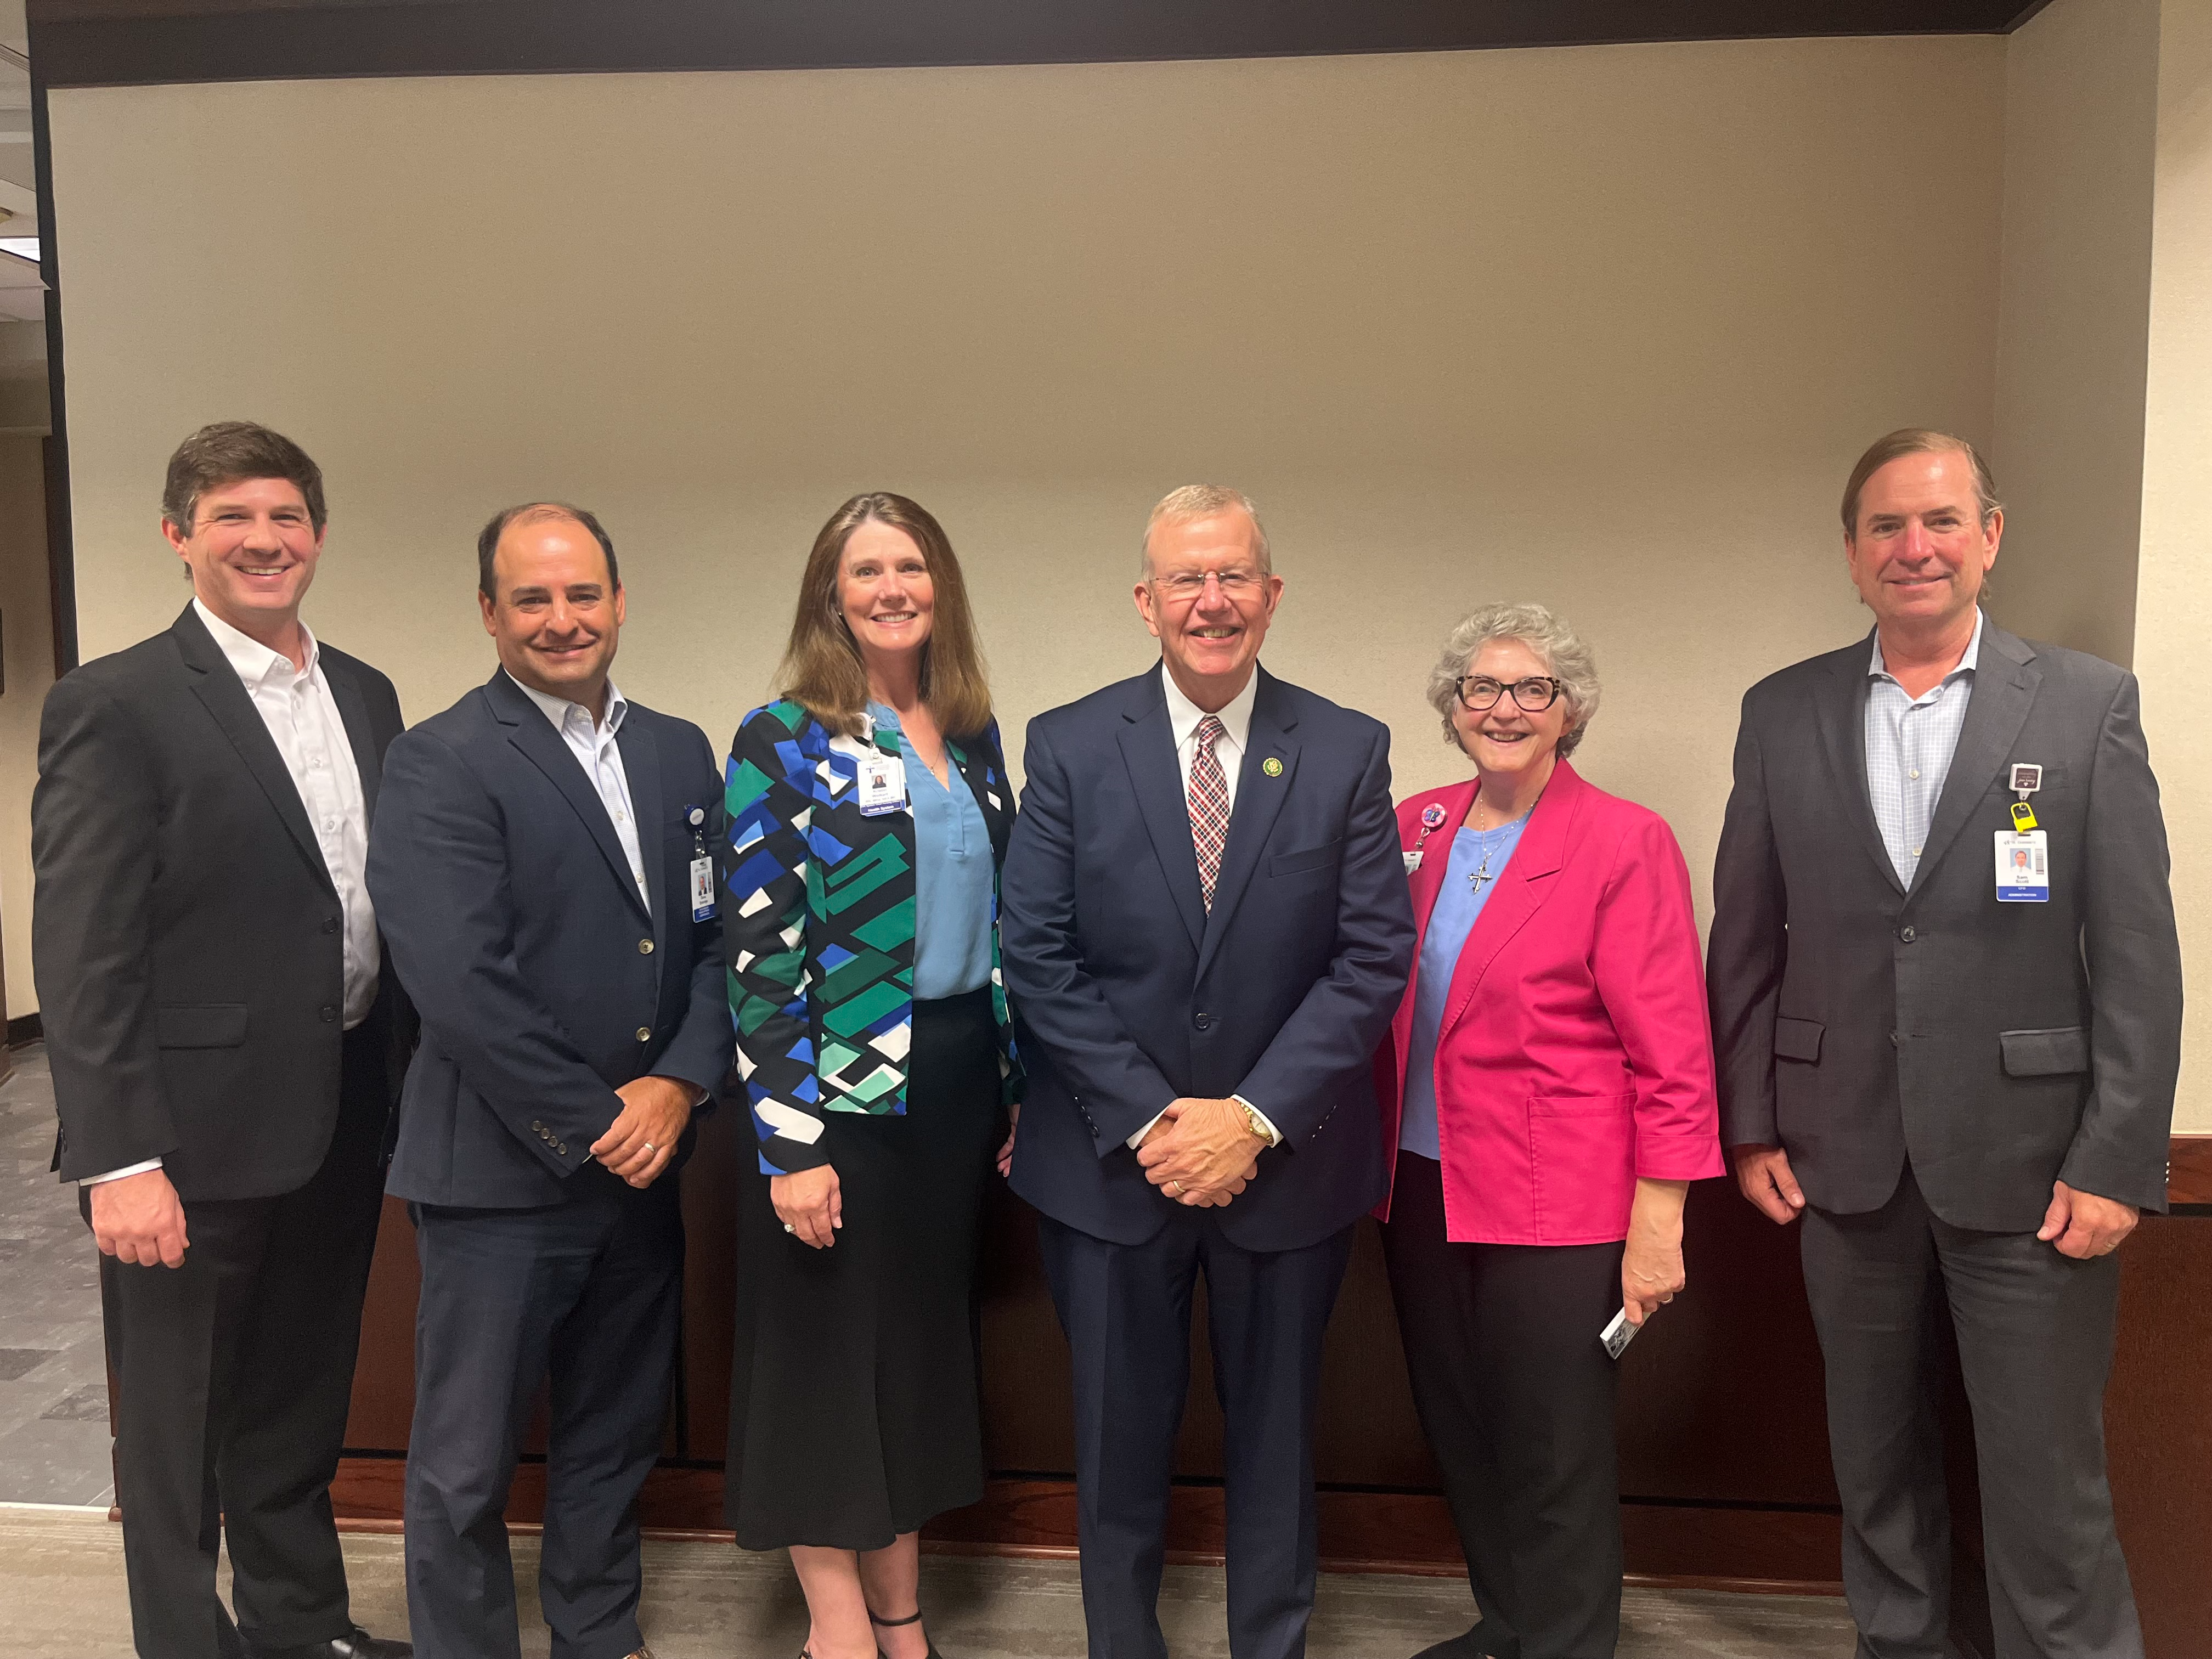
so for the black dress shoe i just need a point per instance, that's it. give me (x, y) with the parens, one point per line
(356, 1644)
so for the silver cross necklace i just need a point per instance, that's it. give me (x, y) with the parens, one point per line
(1481, 873)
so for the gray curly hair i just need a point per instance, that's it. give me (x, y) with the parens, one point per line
(1570, 662)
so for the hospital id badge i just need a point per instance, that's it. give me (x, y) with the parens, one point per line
(882, 785)
(2023, 867)
(703, 889)
(1413, 860)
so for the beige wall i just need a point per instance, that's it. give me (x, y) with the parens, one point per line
(1602, 327)
(2174, 613)
(2080, 128)
(27, 641)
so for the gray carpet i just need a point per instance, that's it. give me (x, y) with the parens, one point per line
(61, 1593)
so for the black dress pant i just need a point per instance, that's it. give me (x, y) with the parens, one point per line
(234, 1374)
(2034, 1333)
(1517, 1396)
(585, 1293)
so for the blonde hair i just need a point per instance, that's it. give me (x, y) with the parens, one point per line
(1203, 501)
(822, 669)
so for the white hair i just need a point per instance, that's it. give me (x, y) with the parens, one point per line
(1570, 662)
(1203, 501)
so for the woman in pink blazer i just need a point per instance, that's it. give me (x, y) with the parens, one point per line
(1549, 1088)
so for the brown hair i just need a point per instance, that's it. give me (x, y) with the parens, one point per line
(1917, 440)
(536, 512)
(231, 451)
(821, 668)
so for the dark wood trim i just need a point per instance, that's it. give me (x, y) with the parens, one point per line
(83, 43)
(26, 1028)
(61, 557)
(2189, 1171)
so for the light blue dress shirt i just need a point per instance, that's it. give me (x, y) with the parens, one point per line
(1909, 744)
(1458, 903)
(952, 876)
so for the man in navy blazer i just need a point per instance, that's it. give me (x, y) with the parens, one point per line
(1205, 933)
(533, 863)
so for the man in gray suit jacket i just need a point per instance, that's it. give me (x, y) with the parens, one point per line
(1946, 992)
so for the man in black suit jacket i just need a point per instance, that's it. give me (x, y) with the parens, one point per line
(1200, 972)
(227, 1044)
(1946, 992)
(537, 859)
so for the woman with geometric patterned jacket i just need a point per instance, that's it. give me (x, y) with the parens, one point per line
(868, 811)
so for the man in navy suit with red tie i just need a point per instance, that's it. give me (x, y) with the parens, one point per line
(1205, 934)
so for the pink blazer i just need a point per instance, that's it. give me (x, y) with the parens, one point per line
(1575, 1055)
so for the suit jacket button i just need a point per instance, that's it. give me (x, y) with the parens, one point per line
(1894, 1041)
(536, 1127)
(1204, 1021)
(330, 924)
(328, 1012)
(1907, 934)
(645, 947)
(645, 1034)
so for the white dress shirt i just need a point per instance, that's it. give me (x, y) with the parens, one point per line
(1909, 742)
(593, 742)
(304, 723)
(1236, 718)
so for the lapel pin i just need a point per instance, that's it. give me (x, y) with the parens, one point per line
(1433, 816)
(1271, 767)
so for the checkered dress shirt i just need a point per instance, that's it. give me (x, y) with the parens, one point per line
(1909, 744)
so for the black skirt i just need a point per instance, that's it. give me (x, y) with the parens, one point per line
(855, 1406)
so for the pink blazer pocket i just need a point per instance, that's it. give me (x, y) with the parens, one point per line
(1581, 1149)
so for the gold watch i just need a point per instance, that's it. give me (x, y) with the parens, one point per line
(1252, 1121)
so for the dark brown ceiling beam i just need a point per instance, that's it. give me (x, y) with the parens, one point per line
(133, 42)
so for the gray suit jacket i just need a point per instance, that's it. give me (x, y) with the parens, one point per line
(2000, 1046)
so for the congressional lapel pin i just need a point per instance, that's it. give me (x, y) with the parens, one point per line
(1271, 767)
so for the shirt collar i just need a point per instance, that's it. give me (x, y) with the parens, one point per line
(1876, 669)
(561, 711)
(251, 660)
(1184, 714)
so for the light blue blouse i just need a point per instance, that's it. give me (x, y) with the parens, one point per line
(1458, 903)
(952, 876)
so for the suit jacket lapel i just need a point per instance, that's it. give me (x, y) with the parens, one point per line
(353, 709)
(1842, 717)
(2005, 682)
(1260, 800)
(641, 758)
(216, 685)
(529, 730)
(1148, 749)
(1521, 888)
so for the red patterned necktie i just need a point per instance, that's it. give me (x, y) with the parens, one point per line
(1209, 807)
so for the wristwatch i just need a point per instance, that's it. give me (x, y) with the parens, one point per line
(1253, 1121)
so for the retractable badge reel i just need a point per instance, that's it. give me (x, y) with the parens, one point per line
(2023, 852)
(703, 867)
(1432, 818)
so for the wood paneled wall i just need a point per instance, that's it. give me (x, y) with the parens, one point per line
(1724, 1462)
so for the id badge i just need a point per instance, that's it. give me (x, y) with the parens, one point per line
(882, 785)
(2023, 867)
(1413, 860)
(703, 889)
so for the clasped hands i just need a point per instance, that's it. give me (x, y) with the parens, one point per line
(1201, 1152)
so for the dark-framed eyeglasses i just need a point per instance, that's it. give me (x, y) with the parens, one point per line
(1534, 694)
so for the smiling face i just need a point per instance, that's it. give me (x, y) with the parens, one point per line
(558, 614)
(1919, 551)
(1506, 740)
(1208, 599)
(251, 549)
(884, 592)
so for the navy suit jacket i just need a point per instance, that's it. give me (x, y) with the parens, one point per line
(1127, 992)
(544, 980)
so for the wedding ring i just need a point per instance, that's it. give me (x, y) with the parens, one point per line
(648, 1146)
(1177, 1185)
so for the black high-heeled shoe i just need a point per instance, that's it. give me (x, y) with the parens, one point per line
(913, 1618)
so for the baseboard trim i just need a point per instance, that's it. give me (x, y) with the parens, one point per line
(26, 1028)
(1768, 1552)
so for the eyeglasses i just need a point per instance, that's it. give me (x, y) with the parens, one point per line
(1186, 586)
(1535, 694)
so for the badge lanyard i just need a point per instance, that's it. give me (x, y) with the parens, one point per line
(703, 867)
(882, 776)
(2023, 852)
(1432, 818)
